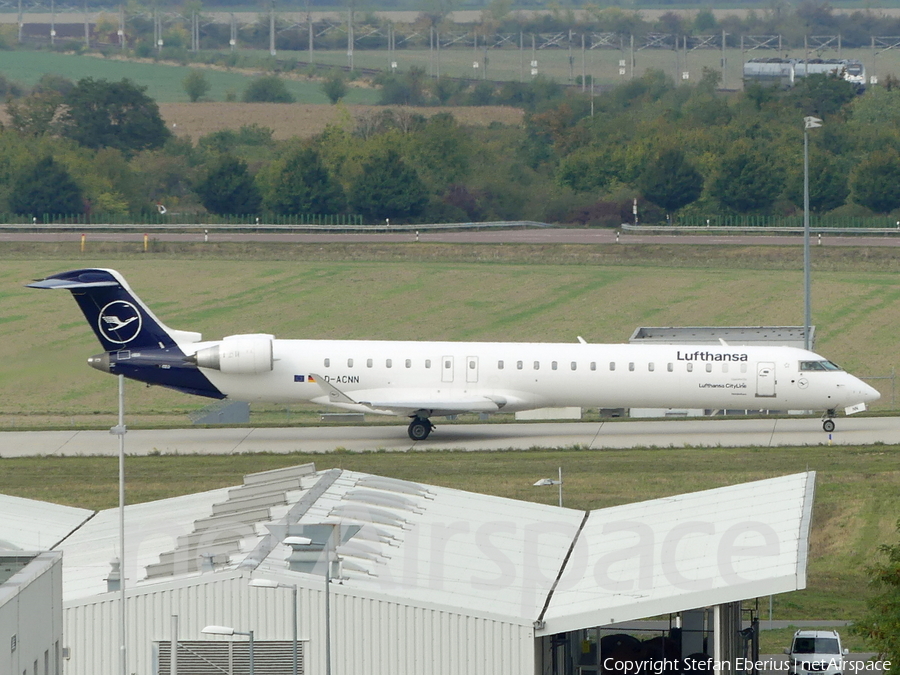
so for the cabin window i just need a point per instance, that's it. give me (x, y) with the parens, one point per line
(408, 363)
(612, 365)
(448, 365)
(368, 363)
(574, 366)
(631, 366)
(670, 367)
(328, 363)
(519, 365)
(388, 363)
(499, 365)
(593, 365)
(651, 367)
(553, 365)
(349, 363)
(537, 365)
(428, 363)
(708, 367)
(690, 367)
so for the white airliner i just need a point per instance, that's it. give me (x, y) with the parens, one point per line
(421, 380)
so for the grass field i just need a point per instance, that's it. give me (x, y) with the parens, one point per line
(430, 292)
(856, 504)
(163, 80)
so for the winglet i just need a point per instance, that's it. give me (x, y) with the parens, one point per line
(335, 395)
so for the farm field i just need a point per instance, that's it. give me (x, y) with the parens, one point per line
(163, 80)
(857, 491)
(305, 120)
(426, 292)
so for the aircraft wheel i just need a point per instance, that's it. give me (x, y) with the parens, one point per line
(828, 425)
(419, 429)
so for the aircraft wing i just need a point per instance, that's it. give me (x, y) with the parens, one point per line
(404, 402)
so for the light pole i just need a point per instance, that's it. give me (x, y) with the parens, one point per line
(549, 481)
(808, 123)
(294, 541)
(120, 430)
(268, 583)
(228, 630)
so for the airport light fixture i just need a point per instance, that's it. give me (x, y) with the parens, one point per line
(328, 550)
(808, 123)
(324, 539)
(269, 583)
(550, 481)
(228, 630)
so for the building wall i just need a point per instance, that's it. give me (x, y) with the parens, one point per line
(31, 618)
(369, 633)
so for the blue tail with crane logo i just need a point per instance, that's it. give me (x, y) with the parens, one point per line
(136, 343)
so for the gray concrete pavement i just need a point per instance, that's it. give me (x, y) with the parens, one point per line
(729, 432)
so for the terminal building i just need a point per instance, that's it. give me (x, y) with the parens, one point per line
(378, 575)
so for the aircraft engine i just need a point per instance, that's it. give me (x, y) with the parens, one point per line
(239, 355)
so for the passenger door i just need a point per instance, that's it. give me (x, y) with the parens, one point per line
(765, 379)
(471, 369)
(446, 369)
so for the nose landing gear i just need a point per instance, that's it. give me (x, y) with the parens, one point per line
(828, 421)
(419, 428)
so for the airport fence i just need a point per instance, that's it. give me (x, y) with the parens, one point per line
(285, 224)
(795, 222)
(166, 219)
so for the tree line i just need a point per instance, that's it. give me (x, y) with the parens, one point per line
(96, 148)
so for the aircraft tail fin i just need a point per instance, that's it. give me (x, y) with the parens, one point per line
(118, 317)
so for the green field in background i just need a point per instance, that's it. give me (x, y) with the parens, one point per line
(163, 80)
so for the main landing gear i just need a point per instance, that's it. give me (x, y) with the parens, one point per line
(419, 428)
(828, 421)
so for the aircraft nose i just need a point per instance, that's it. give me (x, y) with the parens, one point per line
(870, 393)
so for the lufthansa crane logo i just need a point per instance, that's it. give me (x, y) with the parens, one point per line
(119, 322)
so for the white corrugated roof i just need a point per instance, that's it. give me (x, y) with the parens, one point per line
(484, 556)
(150, 529)
(458, 550)
(31, 525)
(686, 551)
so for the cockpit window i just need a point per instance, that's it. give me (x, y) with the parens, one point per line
(818, 365)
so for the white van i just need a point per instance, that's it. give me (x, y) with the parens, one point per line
(816, 652)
